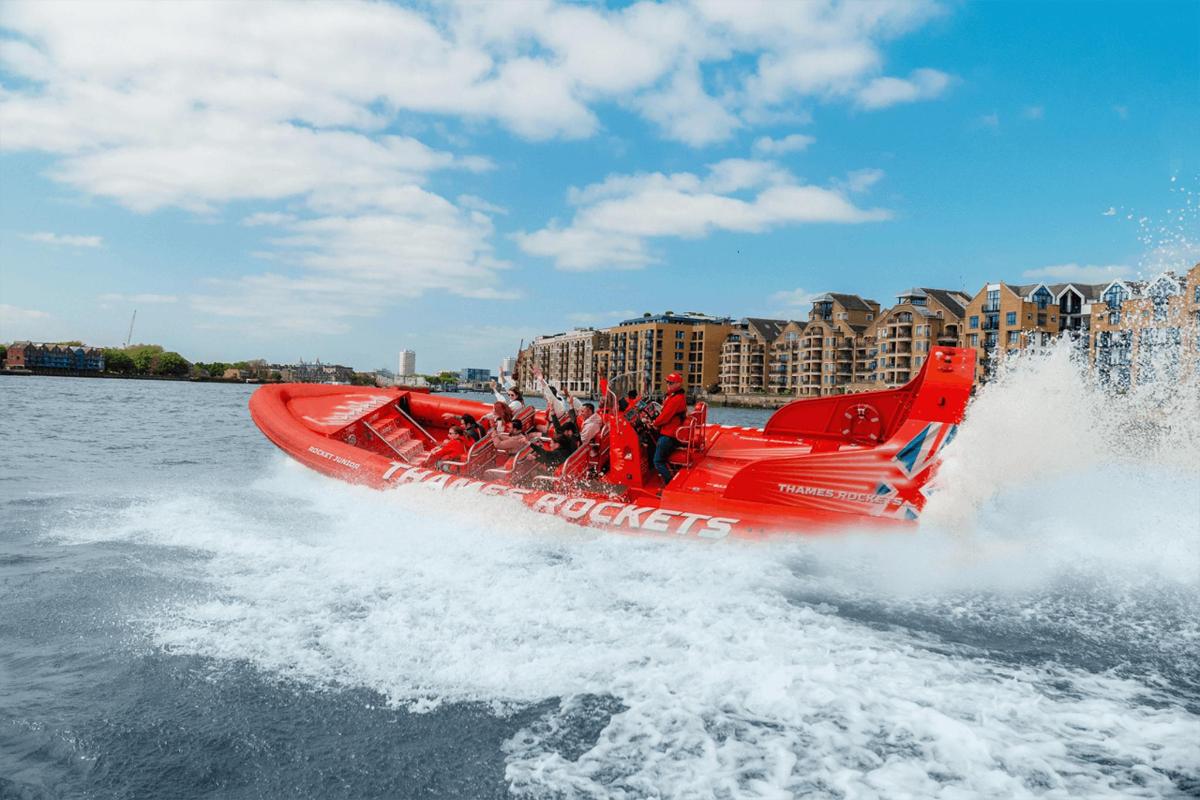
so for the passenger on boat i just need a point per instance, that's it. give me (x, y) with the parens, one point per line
(455, 448)
(628, 401)
(500, 415)
(563, 440)
(674, 412)
(513, 441)
(562, 405)
(470, 427)
(590, 424)
(511, 397)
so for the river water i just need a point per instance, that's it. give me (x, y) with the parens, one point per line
(185, 613)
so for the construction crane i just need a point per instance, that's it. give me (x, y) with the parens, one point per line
(129, 336)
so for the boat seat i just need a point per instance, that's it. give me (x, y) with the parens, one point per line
(480, 458)
(523, 464)
(692, 436)
(525, 415)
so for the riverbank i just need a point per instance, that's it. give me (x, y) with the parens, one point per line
(69, 373)
(765, 401)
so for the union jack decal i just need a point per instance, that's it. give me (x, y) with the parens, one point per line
(923, 448)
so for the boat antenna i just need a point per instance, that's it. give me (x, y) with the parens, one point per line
(129, 336)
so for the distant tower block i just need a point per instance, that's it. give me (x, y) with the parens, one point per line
(408, 363)
(509, 365)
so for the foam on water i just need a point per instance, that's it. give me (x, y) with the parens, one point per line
(737, 670)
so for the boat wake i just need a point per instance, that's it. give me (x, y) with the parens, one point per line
(1035, 637)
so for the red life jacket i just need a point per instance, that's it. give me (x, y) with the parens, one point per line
(674, 412)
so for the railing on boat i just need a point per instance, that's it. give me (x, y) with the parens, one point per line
(695, 428)
(413, 422)
(385, 440)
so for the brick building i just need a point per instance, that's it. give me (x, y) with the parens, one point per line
(1146, 330)
(746, 356)
(1004, 318)
(567, 360)
(650, 347)
(829, 356)
(36, 355)
(903, 336)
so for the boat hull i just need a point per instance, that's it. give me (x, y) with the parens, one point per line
(749, 484)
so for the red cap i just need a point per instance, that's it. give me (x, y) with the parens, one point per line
(674, 377)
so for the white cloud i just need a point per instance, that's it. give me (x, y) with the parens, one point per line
(362, 253)
(113, 75)
(922, 84)
(861, 179)
(140, 299)
(197, 106)
(618, 216)
(1121, 111)
(64, 240)
(1082, 273)
(791, 143)
(271, 218)
(794, 298)
(1109, 212)
(479, 204)
(686, 112)
(13, 314)
(991, 120)
(600, 317)
(1034, 112)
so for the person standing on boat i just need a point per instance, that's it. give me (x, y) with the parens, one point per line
(674, 411)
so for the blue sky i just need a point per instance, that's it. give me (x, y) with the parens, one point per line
(341, 181)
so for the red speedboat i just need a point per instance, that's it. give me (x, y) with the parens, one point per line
(819, 464)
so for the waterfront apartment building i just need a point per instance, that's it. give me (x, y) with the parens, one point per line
(408, 363)
(1005, 318)
(1146, 330)
(903, 336)
(651, 347)
(567, 360)
(829, 354)
(746, 356)
(38, 355)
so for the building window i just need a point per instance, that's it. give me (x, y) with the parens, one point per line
(1114, 318)
(1042, 297)
(974, 323)
(993, 300)
(1010, 318)
(1115, 296)
(1014, 337)
(1041, 320)
(872, 316)
(974, 340)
